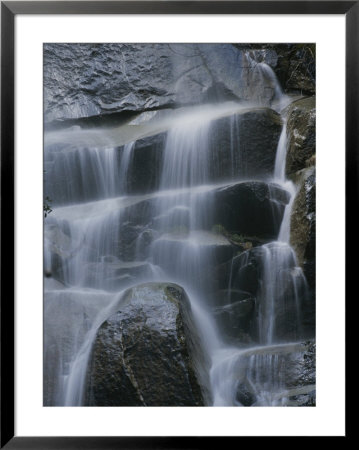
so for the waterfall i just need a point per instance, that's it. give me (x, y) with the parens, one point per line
(101, 240)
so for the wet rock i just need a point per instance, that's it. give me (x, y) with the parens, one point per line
(178, 216)
(233, 312)
(188, 255)
(300, 134)
(263, 273)
(127, 239)
(245, 396)
(303, 240)
(143, 355)
(239, 145)
(280, 375)
(144, 173)
(250, 207)
(245, 144)
(240, 273)
(293, 64)
(116, 274)
(246, 271)
(307, 399)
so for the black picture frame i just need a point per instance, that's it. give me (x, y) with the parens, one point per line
(9, 9)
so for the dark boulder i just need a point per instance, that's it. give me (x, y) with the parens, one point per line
(233, 313)
(245, 144)
(144, 172)
(240, 273)
(143, 355)
(251, 207)
(245, 396)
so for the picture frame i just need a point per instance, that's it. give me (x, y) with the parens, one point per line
(9, 10)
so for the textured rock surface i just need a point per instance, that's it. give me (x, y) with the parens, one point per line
(301, 135)
(293, 64)
(293, 376)
(83, 80)
(303, 237)
(143, 354)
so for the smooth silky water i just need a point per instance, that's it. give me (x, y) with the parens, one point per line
(86, 176)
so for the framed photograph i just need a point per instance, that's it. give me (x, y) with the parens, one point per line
(172, 273)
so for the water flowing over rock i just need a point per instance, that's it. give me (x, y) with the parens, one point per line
(293, 64)
(80, 172)
(179, 260)
(251, 208)
(142, 355)
(292, 371)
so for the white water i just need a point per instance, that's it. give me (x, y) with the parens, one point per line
(83, 248)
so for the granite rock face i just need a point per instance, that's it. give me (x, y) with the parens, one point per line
(301, 135)
(143, 355)
(84, 80)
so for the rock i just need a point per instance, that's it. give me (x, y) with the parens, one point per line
(246, 271)
(301, 70)
(218, 92)
(250, 207)
(245, 396)
(251, 154)
(116, 274)
(127, 240)
(178, 216)
(281, 375)
(144, 173)
(233, 312)
(263, 273)
(86, 80)
(240, 273)
(300, 134)
(144, 354)
(293, 64)
(194, 253)
(245, 144)
(303, 238)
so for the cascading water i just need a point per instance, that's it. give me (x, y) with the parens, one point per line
(89, 249)
(255, 379)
